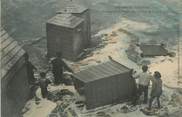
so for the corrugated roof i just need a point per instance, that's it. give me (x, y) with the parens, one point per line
(73, 8)
(11, 52)
(66, 20)
(153, 50)
(104, 70)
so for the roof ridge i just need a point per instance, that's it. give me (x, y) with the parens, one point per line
(66, 20)
(107, 69)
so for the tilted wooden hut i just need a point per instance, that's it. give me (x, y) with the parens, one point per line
(104, 84)
(65, 34)
(14, 80)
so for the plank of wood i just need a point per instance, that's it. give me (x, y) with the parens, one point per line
(12, 58)
(8, 49)
(6, 43)
(4, 37)
(3, 32)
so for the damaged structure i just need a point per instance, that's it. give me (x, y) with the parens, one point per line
(106, 83)
(82, 12)
(150, 50)
(65, 33)
(14, 79)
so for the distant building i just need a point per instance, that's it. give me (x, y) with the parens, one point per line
(65, 33)
(83, 12)
(106, 83)
(14, 80)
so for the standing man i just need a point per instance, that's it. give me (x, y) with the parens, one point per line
(30, 73)
(143, 83)
(58, 65)
(43, 83)
(30, 70)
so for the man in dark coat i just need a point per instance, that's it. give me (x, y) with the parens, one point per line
(58, 65)
(156, 89)
(30, 73)
(30, 70)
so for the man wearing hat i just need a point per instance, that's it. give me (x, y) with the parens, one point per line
(58, 65)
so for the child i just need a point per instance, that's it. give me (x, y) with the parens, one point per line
(43, 83)
(156, 89)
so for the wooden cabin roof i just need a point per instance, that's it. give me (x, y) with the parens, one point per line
(10, 53)
(153, 50)
(73, 8)
(104, 70)
(66, 20)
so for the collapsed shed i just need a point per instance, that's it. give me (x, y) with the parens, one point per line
(104, 84)
(150, 50)
(14, 79)
(65, 34)
(82, 12)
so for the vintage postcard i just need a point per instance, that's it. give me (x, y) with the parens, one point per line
(91, 58)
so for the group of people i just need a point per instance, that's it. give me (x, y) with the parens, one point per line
(144, 79)
(57, 68)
